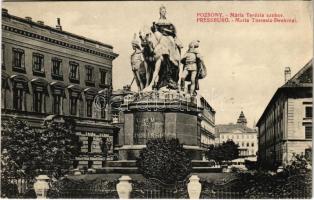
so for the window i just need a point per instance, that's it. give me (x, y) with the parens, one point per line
(103, 109)
(308, 132)
(38, 100)
(89, 73)
(89, 106)
(74, 72)
(252, 144)
(73, 105)
(18, 59)
(247, 144)
(103, 163)
(103, 76)
(90, 164)
(18, 95)
(4, 83)
(56, 104)
(90, 142)
(56, 67)
(308, 154)
(237, 136)
(104, 102)
(38, 62)
(75, 164)
(104, 145)
(2, 58)
(242, 144)
(308, 111)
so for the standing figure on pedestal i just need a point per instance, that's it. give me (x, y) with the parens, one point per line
(166, 53)
(193, 68)
(139, 66)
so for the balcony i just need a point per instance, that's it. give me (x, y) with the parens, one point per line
(19, 69)
(39, 73)
(90, 83)
(103, 85)
(74, 80)
(57, 77)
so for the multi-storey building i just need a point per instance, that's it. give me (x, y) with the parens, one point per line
(206, 120)
(49, 72)
(285, 127)
(240, 134)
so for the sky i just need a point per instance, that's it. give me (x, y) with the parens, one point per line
(245, 61)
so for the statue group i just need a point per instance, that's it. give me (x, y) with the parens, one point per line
(157, 56)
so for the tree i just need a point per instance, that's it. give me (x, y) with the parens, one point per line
(19, 149)
(19, 153)
(28, 152)
(165, 160)
(227, 151)
(214, 153)
(59, 146)
(230, 150)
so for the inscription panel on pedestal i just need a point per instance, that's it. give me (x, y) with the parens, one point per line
(148, 125)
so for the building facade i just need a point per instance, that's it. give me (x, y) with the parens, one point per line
(206, 123)
(49, 72)
(240, 134)
(285, 127)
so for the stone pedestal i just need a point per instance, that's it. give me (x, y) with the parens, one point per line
(159, 114)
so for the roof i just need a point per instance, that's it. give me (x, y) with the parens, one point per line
(234, 128)
(302, 79)
(206, 104)
(41, 25)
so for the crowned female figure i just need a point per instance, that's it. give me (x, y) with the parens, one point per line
(167, 52)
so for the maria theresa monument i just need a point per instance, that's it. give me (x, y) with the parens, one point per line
(167, 103)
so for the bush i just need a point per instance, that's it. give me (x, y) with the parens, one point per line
(235, 169)
(299, 164)
(165, 160)
(295, 181)
(250, 165)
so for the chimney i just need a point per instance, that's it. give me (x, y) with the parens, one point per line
(28, 19)
(5, 11)
(59, 27)
(287, 74)
(40, 22)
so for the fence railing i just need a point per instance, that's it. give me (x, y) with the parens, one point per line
(156, 189)
(16, 187)
(295, 187)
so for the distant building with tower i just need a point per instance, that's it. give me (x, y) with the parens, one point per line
(240, 134)
(285, 127)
